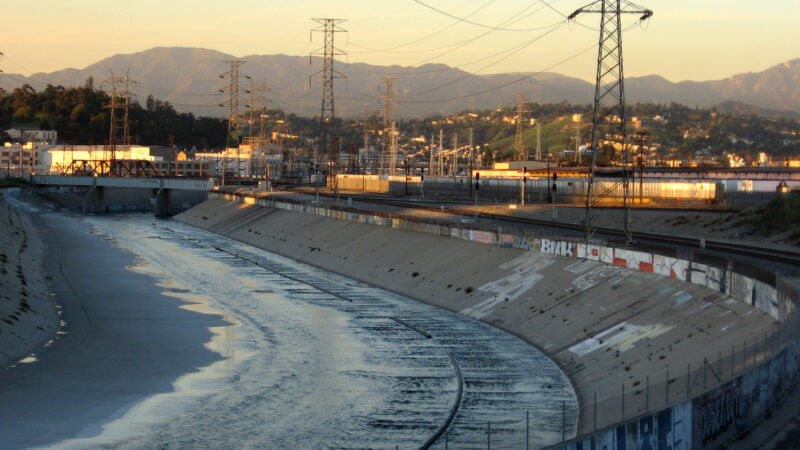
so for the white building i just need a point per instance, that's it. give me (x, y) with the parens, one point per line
(57, 159)
(22, 159)
(40, 136)
(246, 161)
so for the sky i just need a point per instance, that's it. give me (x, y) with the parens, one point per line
(684, 40)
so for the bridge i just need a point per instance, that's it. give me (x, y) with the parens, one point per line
(164, 196)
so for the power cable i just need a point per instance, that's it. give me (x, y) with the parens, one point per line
(430, 35)
(508, 53)
(490, 27)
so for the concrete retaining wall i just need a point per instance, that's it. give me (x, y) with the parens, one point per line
(704, 417)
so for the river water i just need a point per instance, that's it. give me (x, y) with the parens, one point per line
(314, 359)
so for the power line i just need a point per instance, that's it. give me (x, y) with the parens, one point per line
(490, 27)
(430, 35)
(510, 52)
(515, 17)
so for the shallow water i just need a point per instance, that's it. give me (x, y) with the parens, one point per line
(313, 359)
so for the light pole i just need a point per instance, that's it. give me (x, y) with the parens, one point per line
(406, 161)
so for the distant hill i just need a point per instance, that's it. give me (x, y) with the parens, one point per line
(189, 79)
(776, 89)
(740, 108)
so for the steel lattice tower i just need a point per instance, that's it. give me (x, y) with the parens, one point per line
(233, 97)
(608, 119)
(120, 99)
(328, 51)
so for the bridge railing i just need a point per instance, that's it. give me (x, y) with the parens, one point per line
(119, 182)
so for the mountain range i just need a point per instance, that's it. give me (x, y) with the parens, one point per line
(190, 79)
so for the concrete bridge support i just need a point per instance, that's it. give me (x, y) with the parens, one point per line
(161, 208)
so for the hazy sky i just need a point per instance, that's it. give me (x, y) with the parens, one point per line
(685, 39)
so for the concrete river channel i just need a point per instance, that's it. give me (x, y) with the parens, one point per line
(310, 359)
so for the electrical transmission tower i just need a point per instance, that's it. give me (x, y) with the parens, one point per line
(388, 133)
(519, 152)
(118, 126)
(256, 108)
(608, 119)
(233, 99)
(328, 51)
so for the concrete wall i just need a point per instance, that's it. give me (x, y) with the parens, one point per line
(747, 288)
(709, 420)
(704, 417)
(28, 315)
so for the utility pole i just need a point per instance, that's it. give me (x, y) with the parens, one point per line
(393, 150)
(538, 140)
(454, 161)
(471, 158)
(112, 127)
(642, 135)
(440, 166)
(251, 106)
(388, 136)
(577, 119)
(608, 118)
(430, 161)
(328, 51)
(519, 153)
(364, 115)
(233, 99)
(262, 113)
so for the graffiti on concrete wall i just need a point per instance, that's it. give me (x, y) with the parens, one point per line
(719, 415)
(507, 240)
(721, 409)
(485, 237)
(561, 248)
(527, 243)
(670, 429)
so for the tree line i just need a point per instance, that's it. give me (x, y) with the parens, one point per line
(81, 115)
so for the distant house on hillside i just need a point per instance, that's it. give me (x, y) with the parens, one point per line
(39, 136)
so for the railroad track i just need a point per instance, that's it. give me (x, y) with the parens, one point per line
(776, 255)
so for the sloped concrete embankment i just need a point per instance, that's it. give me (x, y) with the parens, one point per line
(28, 317)
(634, 343)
